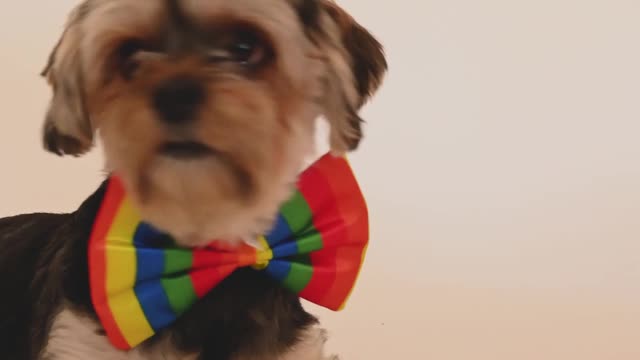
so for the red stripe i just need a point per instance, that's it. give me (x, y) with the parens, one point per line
(97, 261)
(349, 255)
(318, 189)
(318, 194)
(210, 268)
(345, 282)
(204, 280)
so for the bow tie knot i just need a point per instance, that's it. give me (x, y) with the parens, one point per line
(263, 259)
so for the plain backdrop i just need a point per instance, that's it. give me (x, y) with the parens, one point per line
(501, 165)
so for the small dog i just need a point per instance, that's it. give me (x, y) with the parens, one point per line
(207, 110)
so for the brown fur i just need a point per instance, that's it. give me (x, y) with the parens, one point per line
(260, 123)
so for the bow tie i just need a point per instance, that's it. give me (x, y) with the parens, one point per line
(142, 282)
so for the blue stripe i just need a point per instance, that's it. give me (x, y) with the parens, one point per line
(149, 264)
(146, 235)
(280, 232)
(149, 270)
(285, 250)
(155, 304)
(278, 269)
(150, 261)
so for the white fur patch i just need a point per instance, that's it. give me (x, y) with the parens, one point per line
(311, 347)
(77, 338)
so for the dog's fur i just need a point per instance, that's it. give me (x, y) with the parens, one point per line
(206, 109)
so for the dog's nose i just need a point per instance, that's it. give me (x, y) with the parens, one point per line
(177, 100)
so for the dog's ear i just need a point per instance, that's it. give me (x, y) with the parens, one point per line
(67, 127)
(356, 65)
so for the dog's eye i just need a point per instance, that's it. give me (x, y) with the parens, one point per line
(244, 47)
(247, 49)
(125, 57)
(129, 48)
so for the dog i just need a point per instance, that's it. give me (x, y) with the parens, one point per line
(207, 110)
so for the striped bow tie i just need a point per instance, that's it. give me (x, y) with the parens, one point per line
(141, 282)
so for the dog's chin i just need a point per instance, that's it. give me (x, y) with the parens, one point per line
(198, 196)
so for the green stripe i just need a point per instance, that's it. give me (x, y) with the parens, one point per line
(297, 213)
(299, 217)
(177, 261)
(301, 269)
(178, 285)
(310, 243)
(300, 274)
(180, 292)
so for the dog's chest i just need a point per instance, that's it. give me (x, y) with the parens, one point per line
(77, 338)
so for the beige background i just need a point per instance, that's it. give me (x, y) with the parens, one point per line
(501, 167)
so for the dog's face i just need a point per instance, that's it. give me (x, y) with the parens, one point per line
(206, 108)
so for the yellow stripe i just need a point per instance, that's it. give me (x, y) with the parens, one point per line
(121, 276)
(130, 318)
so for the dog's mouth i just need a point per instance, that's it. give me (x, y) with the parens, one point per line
(185, 150)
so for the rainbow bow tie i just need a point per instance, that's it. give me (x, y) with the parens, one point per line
(139, 284)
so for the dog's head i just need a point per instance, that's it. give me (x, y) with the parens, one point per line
(206, 108)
